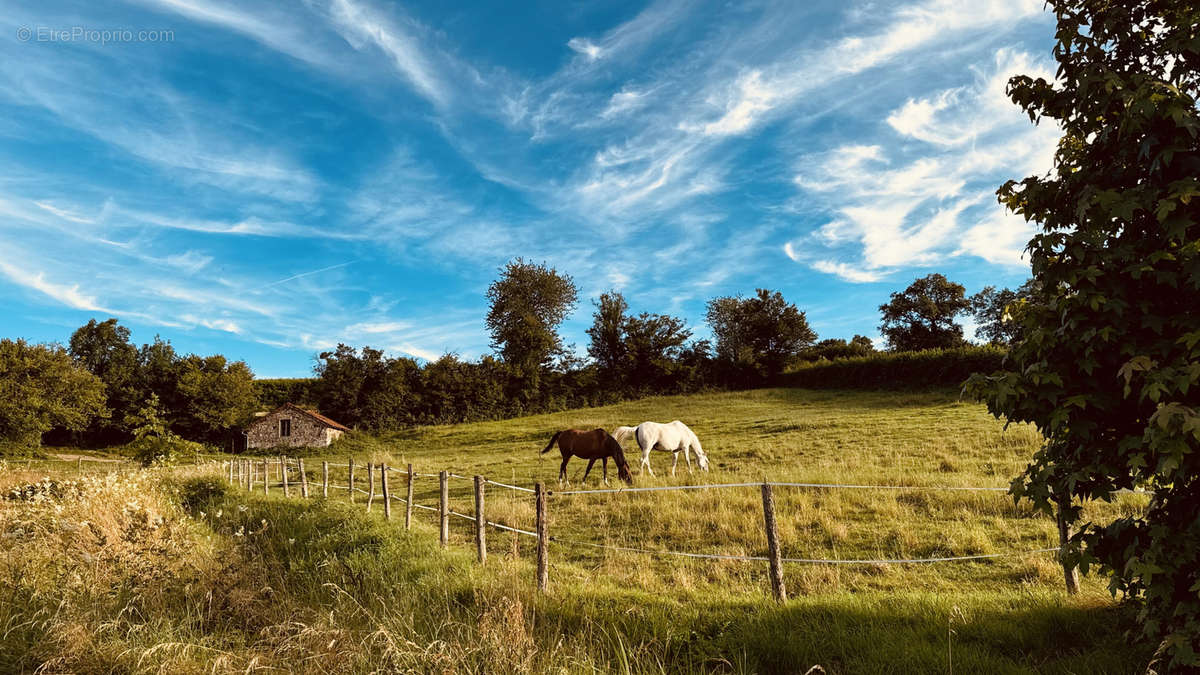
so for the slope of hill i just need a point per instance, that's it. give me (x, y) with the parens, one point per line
(206, 576)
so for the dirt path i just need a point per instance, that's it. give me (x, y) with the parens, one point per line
(71, 457)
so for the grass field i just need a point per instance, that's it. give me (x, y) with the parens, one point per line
(207, 578)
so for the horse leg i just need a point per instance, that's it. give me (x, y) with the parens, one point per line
(591, 463)
(646, 462)
(674, 463)
(604, 465)
(562, 470)
(687, 454)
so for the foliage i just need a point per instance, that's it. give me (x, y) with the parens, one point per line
(526, 305)
(42, 388)
(274, 392)
(103, 349)
(644, 352)
(995, 312)
(1108, 366)
(607, 335)
(897, 370)
(922, 315)
(758, 335)
(838, 348)
(369, 389)
(153, 441)
(216, 396)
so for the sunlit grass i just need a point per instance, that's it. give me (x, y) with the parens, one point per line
(156, 571)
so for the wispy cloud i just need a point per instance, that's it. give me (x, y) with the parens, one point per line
(894, 213)
(67, 294)
(363, 27)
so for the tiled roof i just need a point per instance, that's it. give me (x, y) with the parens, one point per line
(325, 421)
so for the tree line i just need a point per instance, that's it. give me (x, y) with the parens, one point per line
(755, 339)
(102, 389)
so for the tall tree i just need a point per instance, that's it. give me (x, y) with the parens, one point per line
(217, 395)
(527, 304)
(607, 334)
(104, 350)
(760, 333)
(995, 312)
(923, 315)
(42, 388)
(1108, 366)
(653, 344)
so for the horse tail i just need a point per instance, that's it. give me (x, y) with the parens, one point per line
(549, 445)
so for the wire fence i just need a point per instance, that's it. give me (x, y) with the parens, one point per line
(245, 473)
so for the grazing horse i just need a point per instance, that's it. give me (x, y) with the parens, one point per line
(590, 445)
(670, 438)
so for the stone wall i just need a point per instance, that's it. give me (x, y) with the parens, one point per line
(306, 432)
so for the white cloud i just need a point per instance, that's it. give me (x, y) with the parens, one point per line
(1000, 240)
(624, 101)
(374, 327)
(225, 325)
(189, 261)
(848, 272)
(67, 294)
(586, 47)
(361, 25)
(913, 205)
(751, 98)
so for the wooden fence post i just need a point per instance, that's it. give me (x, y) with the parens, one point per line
(543, 545)
(480, 522)
(231, 472)
(1070, 572)
(325, 479)
(387, 496)
(79, 463)
(266, 476)
(408, 500)
(370, 485)
(350, 481)
(444, 508)
(773, 543)
(303, 478)
(287, 491)
(246, 466)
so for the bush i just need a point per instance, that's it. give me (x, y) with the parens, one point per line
(167, 449)
(898, 370)
(203, 491)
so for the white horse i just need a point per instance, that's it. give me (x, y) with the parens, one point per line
(670, 438)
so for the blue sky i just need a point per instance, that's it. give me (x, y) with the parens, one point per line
(270, 178)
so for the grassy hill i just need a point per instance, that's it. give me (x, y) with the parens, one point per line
(263, 582)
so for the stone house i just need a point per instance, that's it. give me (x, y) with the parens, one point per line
(292, 426)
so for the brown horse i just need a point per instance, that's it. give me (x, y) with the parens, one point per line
(590, 445)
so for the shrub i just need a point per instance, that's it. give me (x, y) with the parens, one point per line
(202, 491)
(898, 370)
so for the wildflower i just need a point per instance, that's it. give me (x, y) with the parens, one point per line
(218, 513)
(241, 532)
